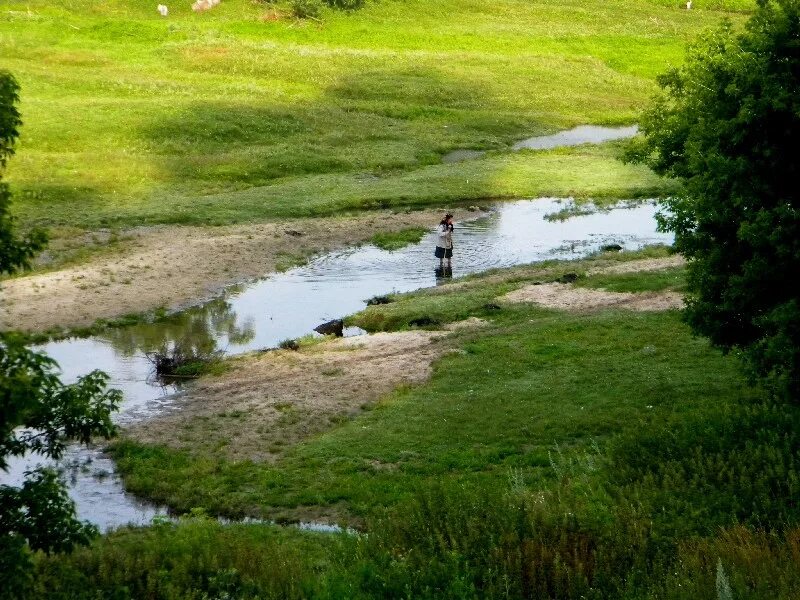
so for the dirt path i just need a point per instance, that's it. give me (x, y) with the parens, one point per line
(173, 266)
(268, 403)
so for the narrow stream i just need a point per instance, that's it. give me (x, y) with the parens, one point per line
(583, 134)
(291, 304)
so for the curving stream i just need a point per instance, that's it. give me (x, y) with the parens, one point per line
(289, 305)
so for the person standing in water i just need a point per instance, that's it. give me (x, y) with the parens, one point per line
(444, 244)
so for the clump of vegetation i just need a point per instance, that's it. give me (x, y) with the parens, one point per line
(571, 210)
(289, 344)
(378, 300)
(184, 361)
(306, 9)
(289, 260)
(398, 239)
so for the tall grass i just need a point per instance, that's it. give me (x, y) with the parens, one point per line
(193, 559)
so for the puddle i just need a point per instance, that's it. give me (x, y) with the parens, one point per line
(291, 304)
(583, 134)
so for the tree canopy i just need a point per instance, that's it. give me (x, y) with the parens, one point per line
(727, 124)
(38, 413)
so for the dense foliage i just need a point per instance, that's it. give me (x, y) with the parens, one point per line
(38, 413)
(15, 252)
(728, 126)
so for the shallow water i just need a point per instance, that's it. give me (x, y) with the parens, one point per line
(291, 304)
(583, 134)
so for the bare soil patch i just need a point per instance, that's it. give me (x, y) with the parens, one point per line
(172, 266)
(269, 402)
(469, 323)
(648, 264)
(566, 297)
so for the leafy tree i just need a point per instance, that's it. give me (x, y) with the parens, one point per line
(727, 124)
(14, 252)
(38, 413)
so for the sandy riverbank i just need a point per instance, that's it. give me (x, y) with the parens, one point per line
(173, 266)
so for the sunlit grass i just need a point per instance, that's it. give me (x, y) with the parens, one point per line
(223, 117)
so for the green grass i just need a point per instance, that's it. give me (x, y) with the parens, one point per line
(531, 380)
(399, 239)
(476, 296)
(221, 117)
(650, 281)
(602, 455)
(201, 555)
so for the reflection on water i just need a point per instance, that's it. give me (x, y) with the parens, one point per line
(199, 329)
(291, 304)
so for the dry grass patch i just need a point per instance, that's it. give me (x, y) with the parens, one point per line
(638, 266)
(566, 297)
(270, 402)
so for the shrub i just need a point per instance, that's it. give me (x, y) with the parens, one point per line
(306, 9)
(725, 126)
(345, 4)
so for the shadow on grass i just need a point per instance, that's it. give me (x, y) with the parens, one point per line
(380, 122)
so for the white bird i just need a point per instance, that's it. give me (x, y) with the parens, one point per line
(689, 5)
(163, 10)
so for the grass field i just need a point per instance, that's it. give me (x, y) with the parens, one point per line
(551, 454)
(533, 381)
(231, 115)
(613, 453)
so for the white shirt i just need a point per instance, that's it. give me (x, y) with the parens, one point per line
(445, 237)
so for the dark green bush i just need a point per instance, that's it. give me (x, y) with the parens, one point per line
(306, 9)
(345, 4)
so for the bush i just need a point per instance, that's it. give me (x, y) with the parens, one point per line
(345, 4)
(306, 9)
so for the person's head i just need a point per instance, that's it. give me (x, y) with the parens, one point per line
(447, 219)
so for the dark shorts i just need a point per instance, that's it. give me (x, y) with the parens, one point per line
(443, 252)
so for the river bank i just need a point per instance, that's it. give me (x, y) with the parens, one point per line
(600, 446)
(167, 267)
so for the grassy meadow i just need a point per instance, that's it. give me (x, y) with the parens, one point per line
(608, 454)
(246, 113)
